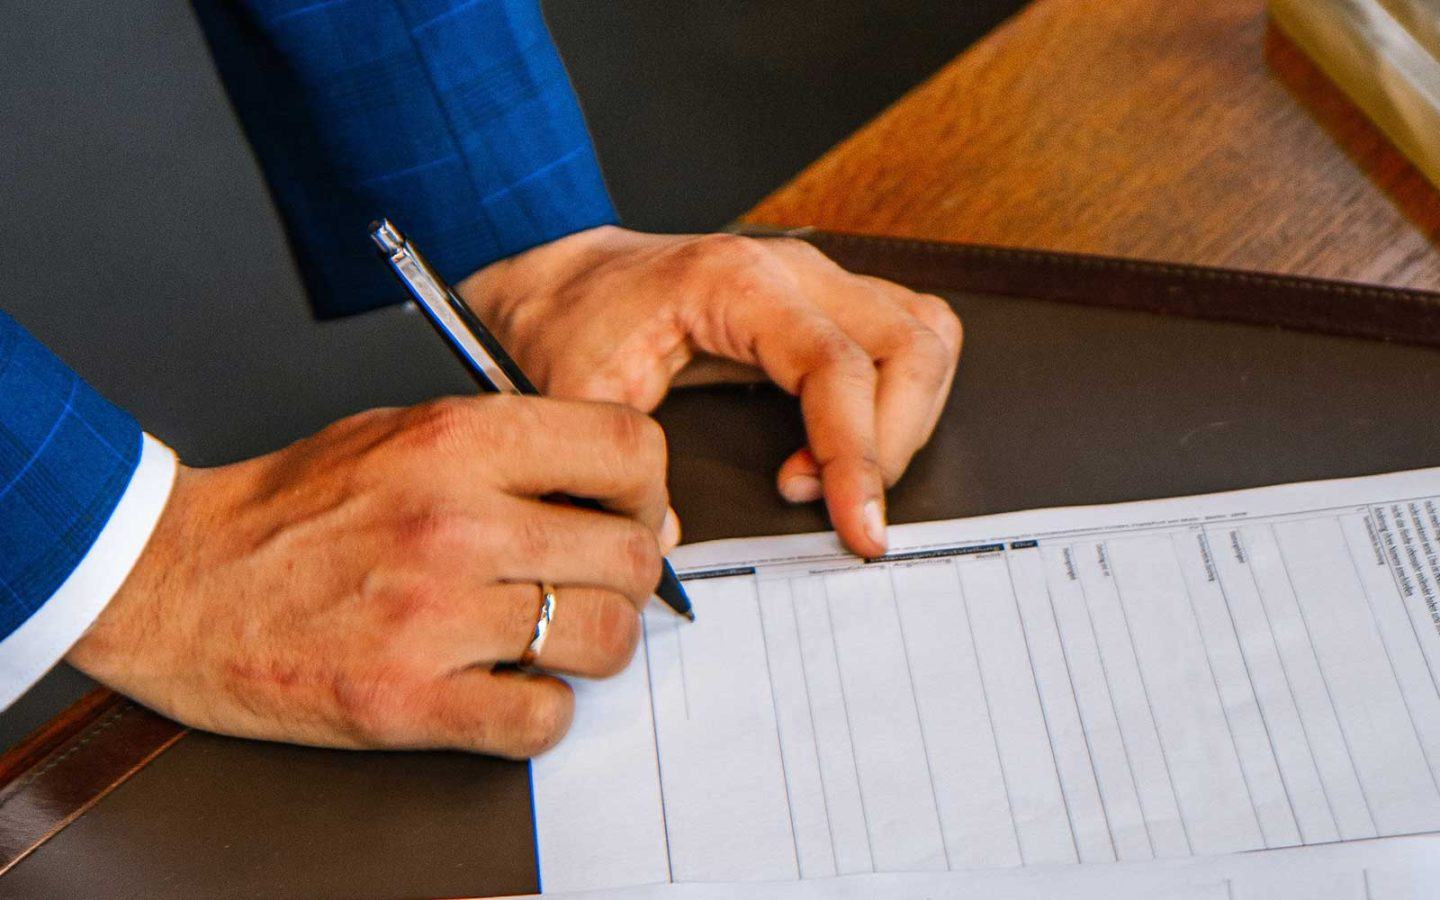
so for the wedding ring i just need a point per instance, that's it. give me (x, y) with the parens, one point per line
(542, 625)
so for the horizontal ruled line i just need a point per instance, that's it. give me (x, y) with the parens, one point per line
(938, 553)
(717, 573)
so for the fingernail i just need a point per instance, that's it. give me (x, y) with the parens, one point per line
(670, 531)
(874, 518)
(801, 489)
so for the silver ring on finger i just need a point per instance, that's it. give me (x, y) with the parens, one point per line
(542, 625)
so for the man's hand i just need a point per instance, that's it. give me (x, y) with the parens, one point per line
(610, 314)
(365, 587)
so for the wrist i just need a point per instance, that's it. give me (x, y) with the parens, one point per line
(53, 630)
(498, 292)
(111, 642)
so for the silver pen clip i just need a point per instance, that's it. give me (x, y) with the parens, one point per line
(439, 303)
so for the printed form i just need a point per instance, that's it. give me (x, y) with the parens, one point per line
(1405, 868)
(1150, 680)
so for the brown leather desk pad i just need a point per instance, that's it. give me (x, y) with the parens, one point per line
(1056, 404)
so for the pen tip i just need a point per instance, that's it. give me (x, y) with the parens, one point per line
(689, 614)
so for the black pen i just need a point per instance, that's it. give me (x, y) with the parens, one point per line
(482, 354)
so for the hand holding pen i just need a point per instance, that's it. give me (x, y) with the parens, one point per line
(495, 372)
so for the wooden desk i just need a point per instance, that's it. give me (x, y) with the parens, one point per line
(1177, 130)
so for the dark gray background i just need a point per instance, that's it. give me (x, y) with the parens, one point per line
(140, 245)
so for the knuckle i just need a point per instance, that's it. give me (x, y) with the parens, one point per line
(531, 539)
(636, 436)
(892, 469)
(749, 286)
(515, 412)
(642, 558)
(594, 384)
(858, 380)
(729, 249)
(442, 425)
(431, 532)
(544, 718)
(406, 603)
(496, 424)
(939, 317)
(800, 248)
(852, 368)
(833, 347)
(365, 420)
(490, 539)
(622, 430)
(399, 607)
(652, 450)
(615, 633)
(928, 348)
(373, 709)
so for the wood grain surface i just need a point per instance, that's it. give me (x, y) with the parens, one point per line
(1176, 130)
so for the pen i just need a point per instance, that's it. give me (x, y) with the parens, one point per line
(482, 354)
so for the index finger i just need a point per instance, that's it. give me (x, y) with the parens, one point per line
(808, 355)
(916, 362)
(537, 447)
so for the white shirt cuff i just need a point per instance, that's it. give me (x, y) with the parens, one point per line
(40, 642)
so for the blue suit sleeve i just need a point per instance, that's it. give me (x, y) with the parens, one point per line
(454, 118)
(66, 457)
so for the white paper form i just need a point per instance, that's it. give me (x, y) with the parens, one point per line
(1149, 680)
(1383, 869)
(946, 886)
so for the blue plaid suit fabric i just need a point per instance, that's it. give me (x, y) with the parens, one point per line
(66, 456)
(454, 118)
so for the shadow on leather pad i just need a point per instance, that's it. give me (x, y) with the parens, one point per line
(1054, 405)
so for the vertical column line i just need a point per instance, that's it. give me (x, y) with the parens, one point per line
(1145, 690)
(1324, 680)
(659, 767)
(1285, 673)
(849, 728)
(1079, 711)
(919, 720)
(1115, 711)
(989, 715)
(1250, 677)
(1040, 698)
(1215, 683)
(779, 741)
(814, 734)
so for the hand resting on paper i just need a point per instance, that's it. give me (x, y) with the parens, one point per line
(610, 314)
